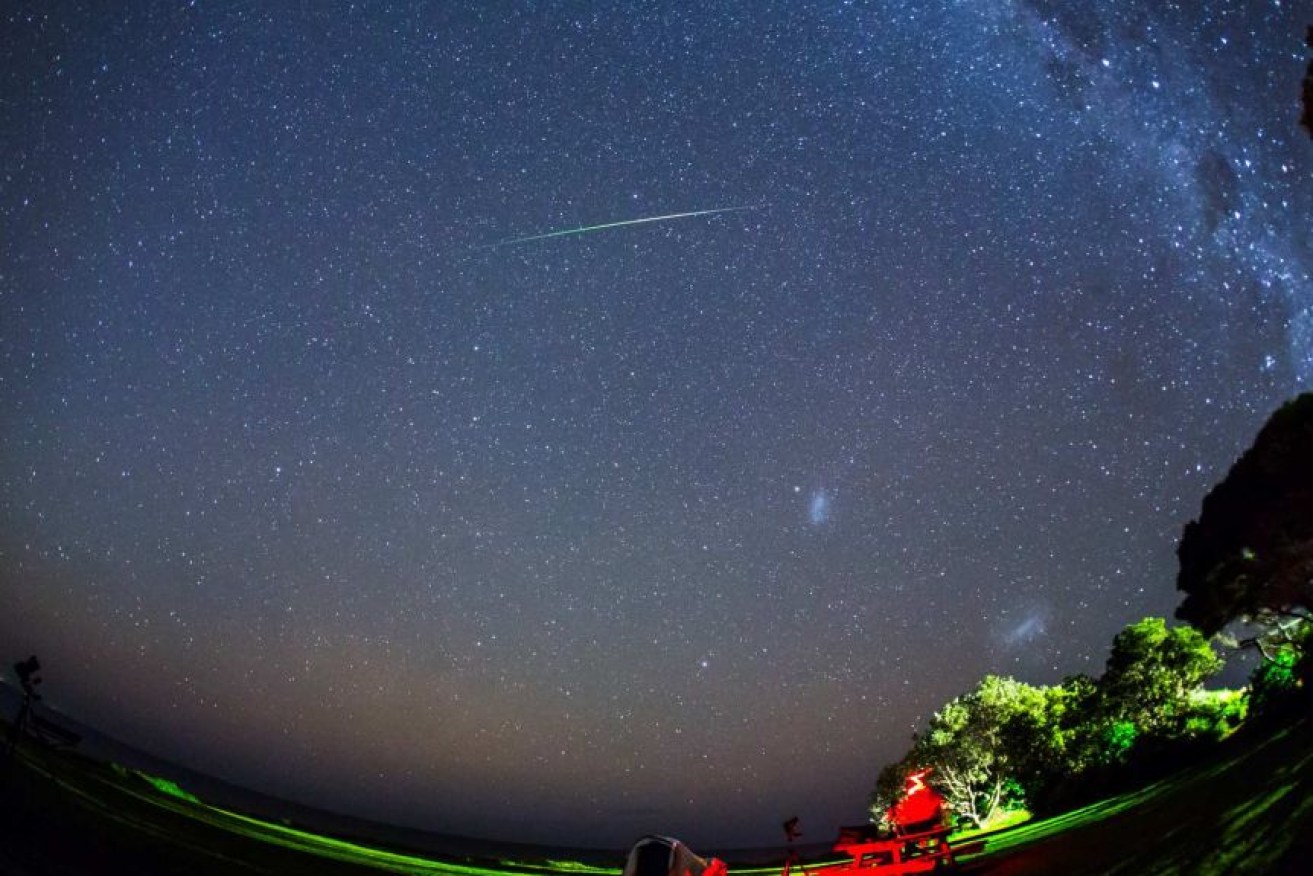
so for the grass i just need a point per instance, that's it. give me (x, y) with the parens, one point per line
(138, 800)
(1009, 819)
(1248, 810)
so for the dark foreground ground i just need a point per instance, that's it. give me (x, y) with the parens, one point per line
(1250, 810)
(1247, 810)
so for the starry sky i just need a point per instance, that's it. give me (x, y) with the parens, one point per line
(318, 476)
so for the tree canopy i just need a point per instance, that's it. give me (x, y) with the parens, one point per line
(1249, 555)
(1007, 744)
(1151, 672)
(974, 745)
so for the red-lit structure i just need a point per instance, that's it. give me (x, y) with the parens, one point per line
(917, 841)
(665, 856)
(920, 808)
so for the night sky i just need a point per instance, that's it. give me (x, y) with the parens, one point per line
(317, 476)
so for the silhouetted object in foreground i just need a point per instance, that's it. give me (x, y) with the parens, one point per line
(1249, 556)
(792, 860)
(27, 720)
(26, 670)
(663, 856)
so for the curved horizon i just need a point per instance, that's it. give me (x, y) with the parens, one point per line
(679, 529)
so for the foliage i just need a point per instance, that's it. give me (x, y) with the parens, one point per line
(1006, 819)
(1274, 681)
(974, 745)
(1211, 715)
(167, 786)
(1118, 738)
(1249, 555)
(1008, 745)
(1070, 707)
(889, 783)
(1151, 673)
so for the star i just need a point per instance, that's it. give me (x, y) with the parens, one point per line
(795, 312)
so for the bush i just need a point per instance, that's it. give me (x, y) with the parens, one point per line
(1274, 683)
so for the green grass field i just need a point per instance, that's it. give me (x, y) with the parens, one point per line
(1248, 810)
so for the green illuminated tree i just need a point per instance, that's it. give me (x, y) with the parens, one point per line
(1273, 680)
(977, 744)
(1062, 748)
(1151, 675)
(1249, 555)
(1275, 683)
(1006, 744)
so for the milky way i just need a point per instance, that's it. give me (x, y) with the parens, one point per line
(680, 527)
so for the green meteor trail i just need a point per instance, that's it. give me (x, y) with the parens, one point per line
(646, 219)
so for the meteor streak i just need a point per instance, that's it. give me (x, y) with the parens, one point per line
(646, 219)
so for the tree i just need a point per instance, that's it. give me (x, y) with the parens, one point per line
(1249, 555)
(889, 784)
(1064, 747)
(976, 746)
(1151, 675)
(1211, 715)
(1276, 682)
(1006, 744)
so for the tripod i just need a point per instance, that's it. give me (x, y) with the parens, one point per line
(27, 677)
(793, 859)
